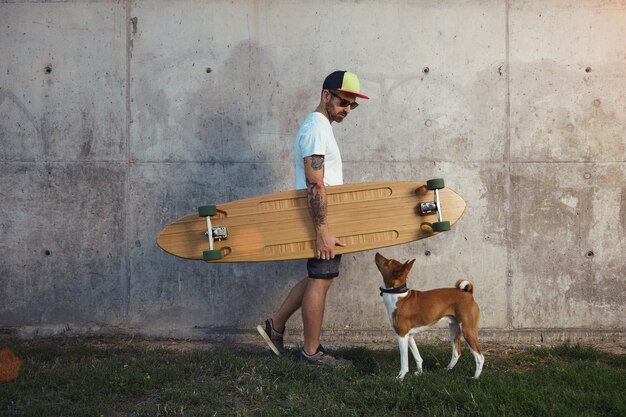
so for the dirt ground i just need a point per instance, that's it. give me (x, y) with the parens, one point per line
(492, 349)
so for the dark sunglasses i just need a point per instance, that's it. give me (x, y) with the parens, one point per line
(344, 103)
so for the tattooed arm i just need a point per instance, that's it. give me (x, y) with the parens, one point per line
(316, 193)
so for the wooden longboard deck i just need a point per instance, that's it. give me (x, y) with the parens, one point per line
(279, 227)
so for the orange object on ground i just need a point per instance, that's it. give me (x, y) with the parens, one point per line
(9, 365)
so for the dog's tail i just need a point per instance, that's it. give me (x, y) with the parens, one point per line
(465, 285)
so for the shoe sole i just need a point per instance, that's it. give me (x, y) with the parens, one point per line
(267, 339)
(328, 364)
(331, 363)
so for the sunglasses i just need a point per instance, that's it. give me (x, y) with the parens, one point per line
(343, 102)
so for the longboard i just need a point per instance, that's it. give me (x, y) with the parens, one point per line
(278, 226)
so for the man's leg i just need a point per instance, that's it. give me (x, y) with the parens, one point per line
(290, 305)
(313, 305)
(273, 329)
(310, 295)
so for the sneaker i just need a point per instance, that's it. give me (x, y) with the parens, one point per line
(321, 357)
(272, 337)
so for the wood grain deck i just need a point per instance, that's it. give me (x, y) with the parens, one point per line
(278, 226)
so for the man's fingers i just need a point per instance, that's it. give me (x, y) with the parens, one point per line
(329, 253)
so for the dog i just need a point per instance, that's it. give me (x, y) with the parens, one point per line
(412, 311)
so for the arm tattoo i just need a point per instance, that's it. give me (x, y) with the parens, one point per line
(317, 162)
(316, 202)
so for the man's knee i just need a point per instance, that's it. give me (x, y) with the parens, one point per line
(321, 283)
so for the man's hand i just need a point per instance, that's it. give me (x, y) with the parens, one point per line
(325, 244)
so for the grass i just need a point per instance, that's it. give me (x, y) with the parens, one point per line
(113, 377)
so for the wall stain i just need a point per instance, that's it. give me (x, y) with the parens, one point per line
(19, 132)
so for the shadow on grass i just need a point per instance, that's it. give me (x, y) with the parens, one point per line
(110, 377)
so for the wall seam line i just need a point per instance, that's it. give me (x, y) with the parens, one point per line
(127, 223)
(508, 185)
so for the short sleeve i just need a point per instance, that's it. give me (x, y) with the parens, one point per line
(312, 143)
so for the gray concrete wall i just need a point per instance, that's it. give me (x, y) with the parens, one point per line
(117, 117)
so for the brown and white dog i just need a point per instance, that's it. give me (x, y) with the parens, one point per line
(412, 311)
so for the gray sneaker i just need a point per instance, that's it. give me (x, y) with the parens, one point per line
(321, 357)
(272, 337)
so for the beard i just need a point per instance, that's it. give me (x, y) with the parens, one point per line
(335, 116)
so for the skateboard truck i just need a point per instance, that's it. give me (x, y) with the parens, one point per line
(219, 232)
(212, 233)
(435, 206)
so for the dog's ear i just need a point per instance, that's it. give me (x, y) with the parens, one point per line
(403, 269)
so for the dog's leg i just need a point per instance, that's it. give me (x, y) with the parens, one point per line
(416, 355)
(480, 361)
(455, 341)
(403, 344)
(471, 337)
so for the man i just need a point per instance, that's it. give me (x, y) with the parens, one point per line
(318, 164)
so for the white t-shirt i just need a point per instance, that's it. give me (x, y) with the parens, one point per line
(315, 137)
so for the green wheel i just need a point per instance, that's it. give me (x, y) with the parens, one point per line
(435, 184)
(441, 226)
(212, 255)
(204, 211)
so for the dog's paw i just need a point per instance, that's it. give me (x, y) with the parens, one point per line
(401, 375)
(418, 372)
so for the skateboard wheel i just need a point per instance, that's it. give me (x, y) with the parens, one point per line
(441, 226)
(212, 255)
(435, 184)
(204, 211)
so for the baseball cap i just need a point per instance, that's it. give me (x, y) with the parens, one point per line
(344, 81)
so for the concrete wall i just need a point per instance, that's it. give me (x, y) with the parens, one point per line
(117, 117)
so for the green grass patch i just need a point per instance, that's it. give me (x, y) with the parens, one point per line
(95, 377)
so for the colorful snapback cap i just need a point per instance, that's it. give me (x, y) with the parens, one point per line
(344, 81)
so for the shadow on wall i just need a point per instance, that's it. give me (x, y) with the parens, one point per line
(237, 115)
(233, 118)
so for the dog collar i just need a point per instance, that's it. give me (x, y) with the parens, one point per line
(398, 290)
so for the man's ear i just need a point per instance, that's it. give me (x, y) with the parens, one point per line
(326, 96)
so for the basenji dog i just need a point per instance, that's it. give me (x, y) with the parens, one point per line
(412, 311)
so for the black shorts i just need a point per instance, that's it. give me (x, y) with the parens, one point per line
(319, 268)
